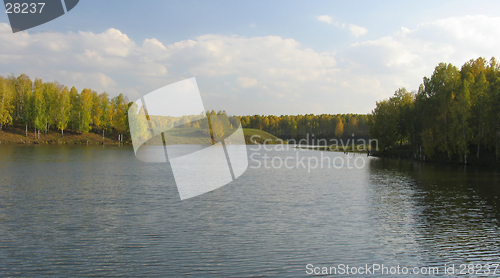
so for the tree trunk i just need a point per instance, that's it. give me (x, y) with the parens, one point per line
(62, 132)
(496, 147)
(465, 143)
(478, 141)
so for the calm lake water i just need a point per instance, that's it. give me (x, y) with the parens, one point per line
(98, 211)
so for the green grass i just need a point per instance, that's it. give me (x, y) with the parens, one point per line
(16, 135)
(176, 136)
(333, 148)
(195, 136)
(260, 137)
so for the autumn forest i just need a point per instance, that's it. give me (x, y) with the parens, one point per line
(455, 113)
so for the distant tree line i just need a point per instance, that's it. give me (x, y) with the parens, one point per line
(454, 112)
(41, 106)
(299, 126)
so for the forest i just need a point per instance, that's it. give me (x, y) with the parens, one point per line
(324, 126)
(42, 106)
(454, 115)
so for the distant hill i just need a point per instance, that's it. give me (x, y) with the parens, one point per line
(194, 136)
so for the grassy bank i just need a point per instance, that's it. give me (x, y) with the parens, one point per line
(334, 148)
(195, 136)
(17, 135)
(256, 136)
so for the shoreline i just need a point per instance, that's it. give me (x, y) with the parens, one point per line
(487, 159)
(336, 149)
(16, 135)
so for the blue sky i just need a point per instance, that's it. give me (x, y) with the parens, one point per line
(255, 57)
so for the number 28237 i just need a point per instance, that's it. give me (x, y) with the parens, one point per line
(24, 8)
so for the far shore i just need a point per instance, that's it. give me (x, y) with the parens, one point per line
(16, 135)
(333, 148)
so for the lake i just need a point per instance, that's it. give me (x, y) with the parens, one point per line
(68, 211)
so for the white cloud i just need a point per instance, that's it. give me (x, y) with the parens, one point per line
(261, 56)
(98, 79)
(112, 42)
(405, 57)
(357, 30)
(229, 66)
(264, 75)
(325, 18)
(454, 40)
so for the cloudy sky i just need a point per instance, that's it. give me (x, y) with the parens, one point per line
(255, 57)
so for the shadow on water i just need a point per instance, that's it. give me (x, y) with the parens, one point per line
(452, 211)
(70, 211)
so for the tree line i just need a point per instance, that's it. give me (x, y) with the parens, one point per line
(455, 112)
(298, 127)
(41, 106)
